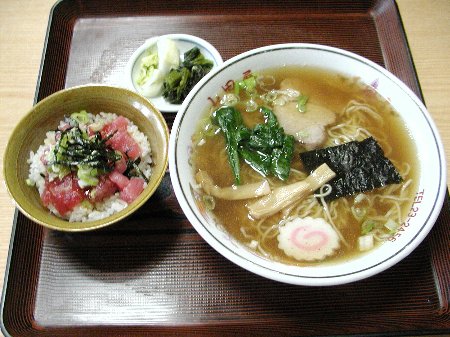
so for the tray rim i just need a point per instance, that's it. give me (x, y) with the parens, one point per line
(16, 211)
(7, 270)
(418, 92)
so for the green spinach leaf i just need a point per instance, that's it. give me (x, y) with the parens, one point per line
(266, 148)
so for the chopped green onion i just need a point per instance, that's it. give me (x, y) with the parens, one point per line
(280, 101)
(271, 96)
(359, 198)
(247, 84)
(251, 105)
(392, 226)
(302, 134)
(229, 100)
(80, 117)
(60, 170)
(87, 175)
(209, 202)
(210, 130)
(301, 103)
(86, 204)
(358, 212)
(253, 244)
(367, 226)
(250, 83)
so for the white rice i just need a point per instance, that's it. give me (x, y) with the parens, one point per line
(86, 211)
(100, 210)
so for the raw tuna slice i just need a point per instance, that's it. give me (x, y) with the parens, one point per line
(132, 190)
(63, 194)
(103, 190)
(119, 179)
(119, 124)
(121, 164)
(121, 140)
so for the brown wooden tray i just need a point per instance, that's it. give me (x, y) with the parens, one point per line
(153, 274)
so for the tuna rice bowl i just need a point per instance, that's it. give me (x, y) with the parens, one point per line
(91, 166)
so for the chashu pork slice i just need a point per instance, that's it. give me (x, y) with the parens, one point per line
(307, 127)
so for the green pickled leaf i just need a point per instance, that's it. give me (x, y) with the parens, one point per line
(180, 81)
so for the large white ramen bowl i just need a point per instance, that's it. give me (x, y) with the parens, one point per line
(431, 158)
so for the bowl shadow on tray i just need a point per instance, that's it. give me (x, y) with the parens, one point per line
(365, 299)
(150, 241)
(157, 258)
(129, 247)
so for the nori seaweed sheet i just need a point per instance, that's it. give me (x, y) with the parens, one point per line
(359, 167)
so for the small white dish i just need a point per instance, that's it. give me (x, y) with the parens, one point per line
(184, 43)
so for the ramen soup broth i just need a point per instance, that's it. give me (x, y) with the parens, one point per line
(334, 92)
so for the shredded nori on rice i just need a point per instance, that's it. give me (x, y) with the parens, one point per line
(359, 167)
(75, 148)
